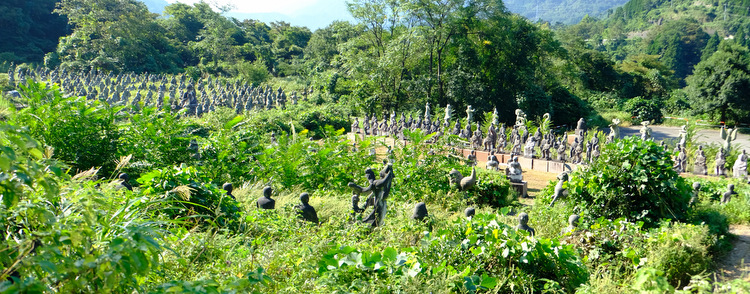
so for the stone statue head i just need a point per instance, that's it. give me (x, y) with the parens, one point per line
(267, 191)
(730, 187)
(370, 174)
(227, 187)
(696, 186)
(124, 176)
(523, 219)
(469, 212)
(573, 220)
(304, 198)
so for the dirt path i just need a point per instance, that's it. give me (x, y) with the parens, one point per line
(736, 265)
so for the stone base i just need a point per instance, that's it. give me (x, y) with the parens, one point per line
(521, 187)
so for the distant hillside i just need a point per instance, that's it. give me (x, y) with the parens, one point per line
(563, 11)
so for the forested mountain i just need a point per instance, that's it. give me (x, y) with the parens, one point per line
(561, 11)
(28, 29)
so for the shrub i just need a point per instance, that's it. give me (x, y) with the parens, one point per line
(644, 109)
(632, 179)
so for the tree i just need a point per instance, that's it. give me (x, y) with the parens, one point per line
(719, 84)
(114, 35)
(29, 29)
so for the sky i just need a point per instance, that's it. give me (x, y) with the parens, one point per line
(313, 14)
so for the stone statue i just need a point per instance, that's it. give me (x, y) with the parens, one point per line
(721, 161)
(740, 166)
(728, 194)
(305, 210)
(581, 130)
(696, 190)
(520, 117)
(683, 135)
(469, 115)
(572, 223)
(381, 189)
(427, 111)
(228, 187)
(420, 212)
(560, 192)
(700, 167)
(489, 142)
(495, 116)
(523, 223)
(561, 148)
(355, 126)
(124, 178)
(471, 159)
(476, 139)
(728, 136)
(680, 163)
(528, 149)
(614, 130)
(456, 129)
(492, 162)
(645, 130)
(448, 115)
(469, 212)
(265, 202)
(460, 182)
(514, 172)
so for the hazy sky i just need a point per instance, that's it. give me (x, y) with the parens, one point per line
(311, 13)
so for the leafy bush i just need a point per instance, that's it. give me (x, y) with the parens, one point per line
(83, 133)
(191, 196)
(642, 109)
(632, 179)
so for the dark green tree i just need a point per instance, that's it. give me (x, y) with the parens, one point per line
(719, 84)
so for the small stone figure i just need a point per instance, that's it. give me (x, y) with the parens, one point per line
(728, 194)
(683, 136)
(420, 212)
(680, 163)
(448, 115)
(523, 223)
(700, 167)
(728, 136)
(572, 223)
(469, 114)
(581, 130)
(492, 162)
(265, 202)
(696, 190)
(469, 212)
(645, 130)
(720, 169)
(528, 149)
(455, 178)
(559, 190)
(476, 139)
(514, 171)
(124, 181)
(520, 117)
(305, 210)
(471, 159)
(614, 130)
(740, 166)
(228, 187)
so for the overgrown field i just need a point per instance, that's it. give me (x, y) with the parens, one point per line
(69, 225)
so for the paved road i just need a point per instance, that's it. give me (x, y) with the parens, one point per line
(709, 136)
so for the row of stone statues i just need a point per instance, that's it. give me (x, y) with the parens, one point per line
(174, 91)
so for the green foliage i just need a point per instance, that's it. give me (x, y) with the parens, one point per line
(632, 179)
(83, 133)
(642, 109)
(716, 84)
(191, 197)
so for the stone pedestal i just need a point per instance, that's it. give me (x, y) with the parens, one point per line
(521, 187)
